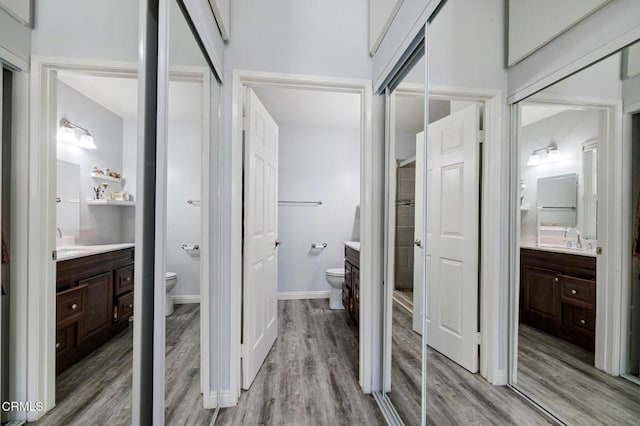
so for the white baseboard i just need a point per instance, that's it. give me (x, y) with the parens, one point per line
(210, 400)
(186, 298)
(298, 295)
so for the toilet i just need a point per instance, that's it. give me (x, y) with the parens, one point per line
(171, 281)
(335, 278)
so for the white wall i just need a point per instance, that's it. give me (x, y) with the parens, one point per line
(183, 219)
(316, 164)
(98, 224)
(569, 130)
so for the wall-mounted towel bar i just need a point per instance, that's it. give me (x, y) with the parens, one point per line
(194, 247)
(193, 202)
(311, 203)
(405, 203)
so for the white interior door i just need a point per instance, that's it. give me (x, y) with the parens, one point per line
(260, 310)
(452, 235)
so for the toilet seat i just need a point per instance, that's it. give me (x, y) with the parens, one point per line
(335, 272)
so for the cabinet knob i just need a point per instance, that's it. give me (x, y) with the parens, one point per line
(555, 280)
(131, 305)
(74, 307)
(574, 291)
(57, 345)
(127, 279)
(417, 243)
(583, 322)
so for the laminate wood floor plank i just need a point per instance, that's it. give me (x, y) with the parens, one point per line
(454, 396)
(562, 377)
(97, 390)
(310, 377)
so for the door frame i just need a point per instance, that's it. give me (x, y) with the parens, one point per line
(370, 222)
(491, 268)
(40, 336)
(610, 324)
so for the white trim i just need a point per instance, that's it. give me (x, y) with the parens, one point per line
(528, 89)
(18, 247)
(184, 299)
(303, 295)
(41, 320)
(369, 254)
(214, 399)
(383, 31)
(11, 59)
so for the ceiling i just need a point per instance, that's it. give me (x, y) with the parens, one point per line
(311, 108)
(120, 95)
(533, 113)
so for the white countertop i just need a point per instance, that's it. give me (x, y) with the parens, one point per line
(352, 244)
(74, 252)
(556, 249)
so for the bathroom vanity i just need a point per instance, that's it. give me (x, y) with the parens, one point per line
(94, 298)
(351, 286)
(558, 294)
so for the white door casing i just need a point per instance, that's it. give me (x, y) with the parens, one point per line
(260, 310)
(453, 236)
(418, 249)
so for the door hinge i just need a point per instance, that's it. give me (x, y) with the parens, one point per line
(478, 338)
(480, 136)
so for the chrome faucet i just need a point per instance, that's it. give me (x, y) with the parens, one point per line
(59, 232)
(578, 239)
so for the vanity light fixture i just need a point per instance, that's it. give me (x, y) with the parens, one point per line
(553, 154)
(67, 134)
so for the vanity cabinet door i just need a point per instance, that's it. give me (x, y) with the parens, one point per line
(346, 287)
(355, 294)
(98, 306)
(124, 280)
(541, 305)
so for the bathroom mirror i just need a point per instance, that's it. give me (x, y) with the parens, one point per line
(574, 332)
(68, 201)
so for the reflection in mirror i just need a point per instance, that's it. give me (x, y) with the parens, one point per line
(405, 258)
(578, 162)
(188, 355)
(68, 202)
(466, 160)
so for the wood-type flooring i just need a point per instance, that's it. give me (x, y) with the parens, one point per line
(97, 390)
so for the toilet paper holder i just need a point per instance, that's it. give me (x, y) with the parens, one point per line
(318, 245)
(194, 247)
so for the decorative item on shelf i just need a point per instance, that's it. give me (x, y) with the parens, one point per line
(115, 175)
(117, 195)
(99, 190)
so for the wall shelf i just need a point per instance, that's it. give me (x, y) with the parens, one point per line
(104, 177)
(110, 203)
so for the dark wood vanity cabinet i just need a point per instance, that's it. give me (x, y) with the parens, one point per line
(558, 295)
(94, 301)
(351, 286)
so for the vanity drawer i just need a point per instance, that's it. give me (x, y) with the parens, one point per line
(123, 280)
(65, 339)
(579, 292)
(582, 319)
(70, 305)
(125, 307)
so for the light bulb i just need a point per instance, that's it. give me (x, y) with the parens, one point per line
(534, 160)
(67, 135)
(86, 141)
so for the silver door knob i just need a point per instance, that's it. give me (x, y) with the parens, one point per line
(278, 242)
(418, 243)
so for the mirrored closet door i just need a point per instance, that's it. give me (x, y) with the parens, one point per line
(574, 286)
